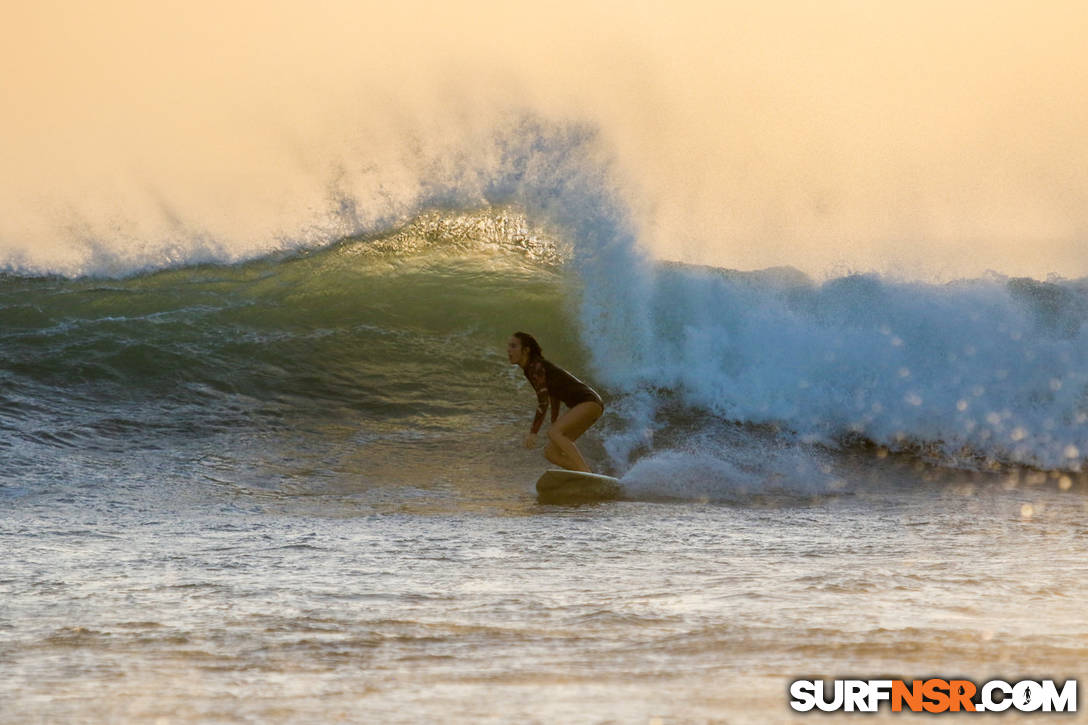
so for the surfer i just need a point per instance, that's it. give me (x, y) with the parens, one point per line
(554, 385)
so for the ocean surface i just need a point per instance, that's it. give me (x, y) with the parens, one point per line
(291, 487)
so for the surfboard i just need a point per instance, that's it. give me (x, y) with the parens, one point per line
(559, 486)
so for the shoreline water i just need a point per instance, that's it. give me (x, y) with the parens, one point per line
(285, 607)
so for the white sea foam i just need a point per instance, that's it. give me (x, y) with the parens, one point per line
(984, 369)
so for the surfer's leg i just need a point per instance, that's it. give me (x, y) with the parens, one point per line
(554, 454)
(567, 429)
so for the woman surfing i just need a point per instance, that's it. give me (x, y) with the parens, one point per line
(554, 385)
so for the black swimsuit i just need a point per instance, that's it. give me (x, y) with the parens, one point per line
(554, 384)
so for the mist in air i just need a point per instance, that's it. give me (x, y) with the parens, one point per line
(918, 139)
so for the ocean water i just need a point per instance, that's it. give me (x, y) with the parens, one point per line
(290, 488)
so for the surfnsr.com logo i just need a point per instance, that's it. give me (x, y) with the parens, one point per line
(933, 696)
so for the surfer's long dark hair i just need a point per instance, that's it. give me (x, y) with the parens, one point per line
(530, 342)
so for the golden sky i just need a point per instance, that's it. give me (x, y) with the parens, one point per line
(933, 139)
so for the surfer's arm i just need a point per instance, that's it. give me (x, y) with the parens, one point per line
(541, 409)
(539, 379)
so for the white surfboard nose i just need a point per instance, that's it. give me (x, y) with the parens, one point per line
(558, 486)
